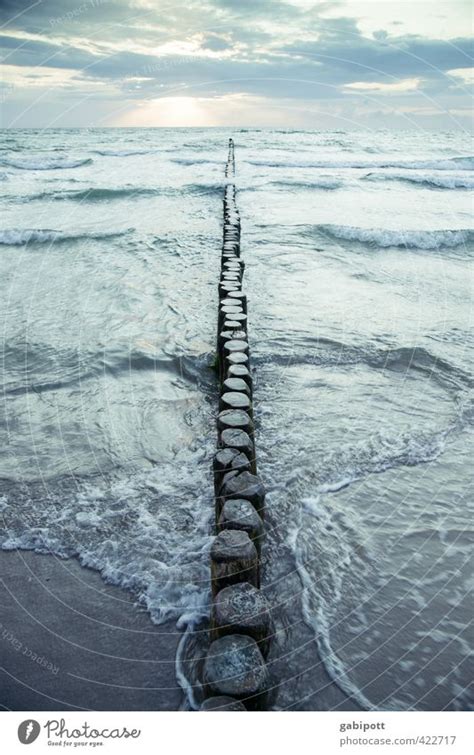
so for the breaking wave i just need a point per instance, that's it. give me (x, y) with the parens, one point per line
(101, 194)
(433, 180)
(410, 239)
(454, 163)
(123, 152)
(323, 182)
(45, 163)
(21, 237)
(195, 161)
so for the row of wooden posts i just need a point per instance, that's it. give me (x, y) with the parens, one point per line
(235, 672)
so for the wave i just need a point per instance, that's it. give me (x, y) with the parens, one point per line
(51, 369)
(194, 369)
(203, 188)
(453, 163)
(98, 194)
(436, 181)
(410, 239)
(123, 152)
(420, 360)
(196, 161)
(323, 182)
(327, 183)
(45, 163)
(326, 352)
(24, 236)
(382, 453)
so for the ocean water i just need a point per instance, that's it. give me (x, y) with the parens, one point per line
(358, 250)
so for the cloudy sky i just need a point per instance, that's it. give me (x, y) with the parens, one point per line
(295, 63)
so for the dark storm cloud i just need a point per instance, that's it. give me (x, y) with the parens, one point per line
(271, 74)
(400, 56)
(101, 16)
(46, 14)
(215, 43)
(210, 77)
(53, 55)
(330, 62)
(207, 76)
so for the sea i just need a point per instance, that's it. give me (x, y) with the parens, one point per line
(358, 249)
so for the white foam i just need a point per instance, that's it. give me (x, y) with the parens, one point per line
(454, 163)
(413, 239)
(321, 182)
(148, 533)
(320, 597)
(88, 519)
(45, 163)
(181, 677)
(123, 152)
(438, 180)
(333, 548)
(336, 485)
(23, 236)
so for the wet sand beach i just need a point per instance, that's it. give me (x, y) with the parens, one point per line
(70, 642)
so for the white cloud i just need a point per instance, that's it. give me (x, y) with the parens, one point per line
(441, 19)
(407, 85)
(466, 74)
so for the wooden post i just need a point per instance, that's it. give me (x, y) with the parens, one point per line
(235, 672)
(240, 514)
(222, 703)
(234, 666)
(242, 609)
(233, 559)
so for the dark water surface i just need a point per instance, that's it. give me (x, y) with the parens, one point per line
(359, 250)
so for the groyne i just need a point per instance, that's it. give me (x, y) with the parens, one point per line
(235, 672)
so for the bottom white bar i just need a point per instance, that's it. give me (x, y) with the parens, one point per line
(231, 734)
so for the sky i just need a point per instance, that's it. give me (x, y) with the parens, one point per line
(343, 64)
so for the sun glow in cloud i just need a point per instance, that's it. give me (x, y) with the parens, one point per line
(223, 111)
(169, 111)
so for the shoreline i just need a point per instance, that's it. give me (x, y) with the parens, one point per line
(69, 641)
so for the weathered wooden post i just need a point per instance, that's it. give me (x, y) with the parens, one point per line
(235, 674)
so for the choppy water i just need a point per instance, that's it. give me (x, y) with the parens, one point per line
(359, 249)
